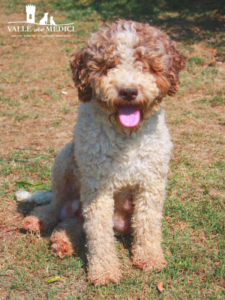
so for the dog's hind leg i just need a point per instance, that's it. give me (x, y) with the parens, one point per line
(67, 236)
(65, 186)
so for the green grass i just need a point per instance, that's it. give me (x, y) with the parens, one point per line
(212, 101)
(193, 231)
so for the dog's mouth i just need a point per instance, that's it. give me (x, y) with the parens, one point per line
(129, 115)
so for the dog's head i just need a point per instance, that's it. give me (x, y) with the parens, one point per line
(128, 68)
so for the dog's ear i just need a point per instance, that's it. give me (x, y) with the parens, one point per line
(78, 64)
(176, 64)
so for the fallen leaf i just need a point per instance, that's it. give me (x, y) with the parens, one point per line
(213, 50)
(23, 183)
(160, 287)
(53, 279)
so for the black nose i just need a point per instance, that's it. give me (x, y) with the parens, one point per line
(128, 94)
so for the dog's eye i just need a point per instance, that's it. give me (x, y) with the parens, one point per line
(110, 67)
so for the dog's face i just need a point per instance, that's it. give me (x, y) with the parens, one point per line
(128, 68)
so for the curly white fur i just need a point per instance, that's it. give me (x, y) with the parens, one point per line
(107, 160)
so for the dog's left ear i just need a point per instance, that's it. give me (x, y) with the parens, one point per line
(177, 63)
(78, 64)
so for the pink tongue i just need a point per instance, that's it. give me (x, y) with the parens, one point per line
(129, 116)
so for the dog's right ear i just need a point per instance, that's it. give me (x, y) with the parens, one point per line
(78, 64)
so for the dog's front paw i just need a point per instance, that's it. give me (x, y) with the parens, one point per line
(150, 259)
(102, 276)
(61, 244)
(33, 223)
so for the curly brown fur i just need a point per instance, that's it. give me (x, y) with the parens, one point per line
(118, 170)
(154, 53)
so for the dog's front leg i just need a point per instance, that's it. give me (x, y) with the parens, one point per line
(146, 223)
(98, 211)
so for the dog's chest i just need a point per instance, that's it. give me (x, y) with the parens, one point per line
(134, 158)
(104, 153)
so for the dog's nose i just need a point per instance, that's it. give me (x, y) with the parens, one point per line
(128, 94)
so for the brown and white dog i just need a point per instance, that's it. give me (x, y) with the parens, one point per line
(116, 166)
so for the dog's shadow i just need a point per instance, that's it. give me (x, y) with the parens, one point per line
(25, 209)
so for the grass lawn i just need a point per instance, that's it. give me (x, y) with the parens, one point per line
(38, 106)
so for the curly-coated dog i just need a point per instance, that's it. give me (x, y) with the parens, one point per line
(116, 166)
